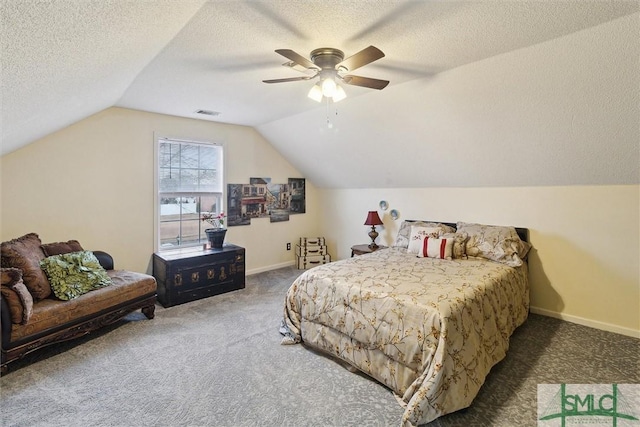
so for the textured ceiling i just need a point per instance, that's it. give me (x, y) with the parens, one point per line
(218, 61)
(65, 60)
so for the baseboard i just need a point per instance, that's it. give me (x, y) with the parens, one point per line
(588, 322)
(270, 267)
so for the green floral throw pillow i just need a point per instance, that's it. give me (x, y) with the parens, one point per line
(74, 274)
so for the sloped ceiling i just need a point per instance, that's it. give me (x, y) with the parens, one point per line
(65, 60)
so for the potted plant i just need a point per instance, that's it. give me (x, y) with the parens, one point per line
(217, 232)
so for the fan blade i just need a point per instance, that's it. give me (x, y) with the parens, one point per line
(289, 79)
(297, 58)
(364, 57)
(366, 82)
(295, 66)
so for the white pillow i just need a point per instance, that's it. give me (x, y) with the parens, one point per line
(432, 247)
(417, 235)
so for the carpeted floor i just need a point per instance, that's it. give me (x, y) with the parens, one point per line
(219, 362)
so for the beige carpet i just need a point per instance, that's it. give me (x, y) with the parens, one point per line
(219, 362)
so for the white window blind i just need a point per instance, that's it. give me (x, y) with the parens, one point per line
(190, 181)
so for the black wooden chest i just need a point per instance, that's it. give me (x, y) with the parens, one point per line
(189, 274)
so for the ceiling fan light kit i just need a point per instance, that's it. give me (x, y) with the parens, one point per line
(339, 94)
(330, 66)
(316, 92)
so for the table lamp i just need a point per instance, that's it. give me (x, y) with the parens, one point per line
(373, 219)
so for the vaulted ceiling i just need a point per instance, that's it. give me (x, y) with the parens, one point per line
(63, 61)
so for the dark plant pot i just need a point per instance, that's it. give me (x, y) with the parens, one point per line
(216, 236)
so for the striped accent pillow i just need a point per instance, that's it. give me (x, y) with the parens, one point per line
(417, 236)
(433, 247)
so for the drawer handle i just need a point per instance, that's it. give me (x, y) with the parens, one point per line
(313, 252)
(314, 262)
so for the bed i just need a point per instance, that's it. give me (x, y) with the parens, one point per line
(428, 325)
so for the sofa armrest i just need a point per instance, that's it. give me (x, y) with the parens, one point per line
(5, 323)
(105, 260)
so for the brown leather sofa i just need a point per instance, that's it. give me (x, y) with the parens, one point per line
(29, 320)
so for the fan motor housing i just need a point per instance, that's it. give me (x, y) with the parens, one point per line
(327, 57)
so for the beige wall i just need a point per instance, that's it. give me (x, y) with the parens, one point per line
(93, 181)
(585, 263)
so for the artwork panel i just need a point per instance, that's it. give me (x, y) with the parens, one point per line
(260, 181)
(297, 196)
(255, 198)
(279, 215)
(235, 214)
(278, 197)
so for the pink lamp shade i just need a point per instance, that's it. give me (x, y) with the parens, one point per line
(373, 218)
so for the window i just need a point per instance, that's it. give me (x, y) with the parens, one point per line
(190, 180)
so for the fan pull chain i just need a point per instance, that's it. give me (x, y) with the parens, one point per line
(329, 124)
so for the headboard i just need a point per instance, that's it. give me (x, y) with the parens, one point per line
(523, 233)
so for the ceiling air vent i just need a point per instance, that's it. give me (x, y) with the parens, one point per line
(208, 113)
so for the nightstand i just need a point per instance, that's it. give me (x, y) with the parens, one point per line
(364, 249)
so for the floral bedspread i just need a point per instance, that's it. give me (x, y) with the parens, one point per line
(429, 329)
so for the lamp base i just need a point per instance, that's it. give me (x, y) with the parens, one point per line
(373, 234)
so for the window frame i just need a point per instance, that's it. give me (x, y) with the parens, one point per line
(157, 140)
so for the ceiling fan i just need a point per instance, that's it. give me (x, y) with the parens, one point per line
(329, 64)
